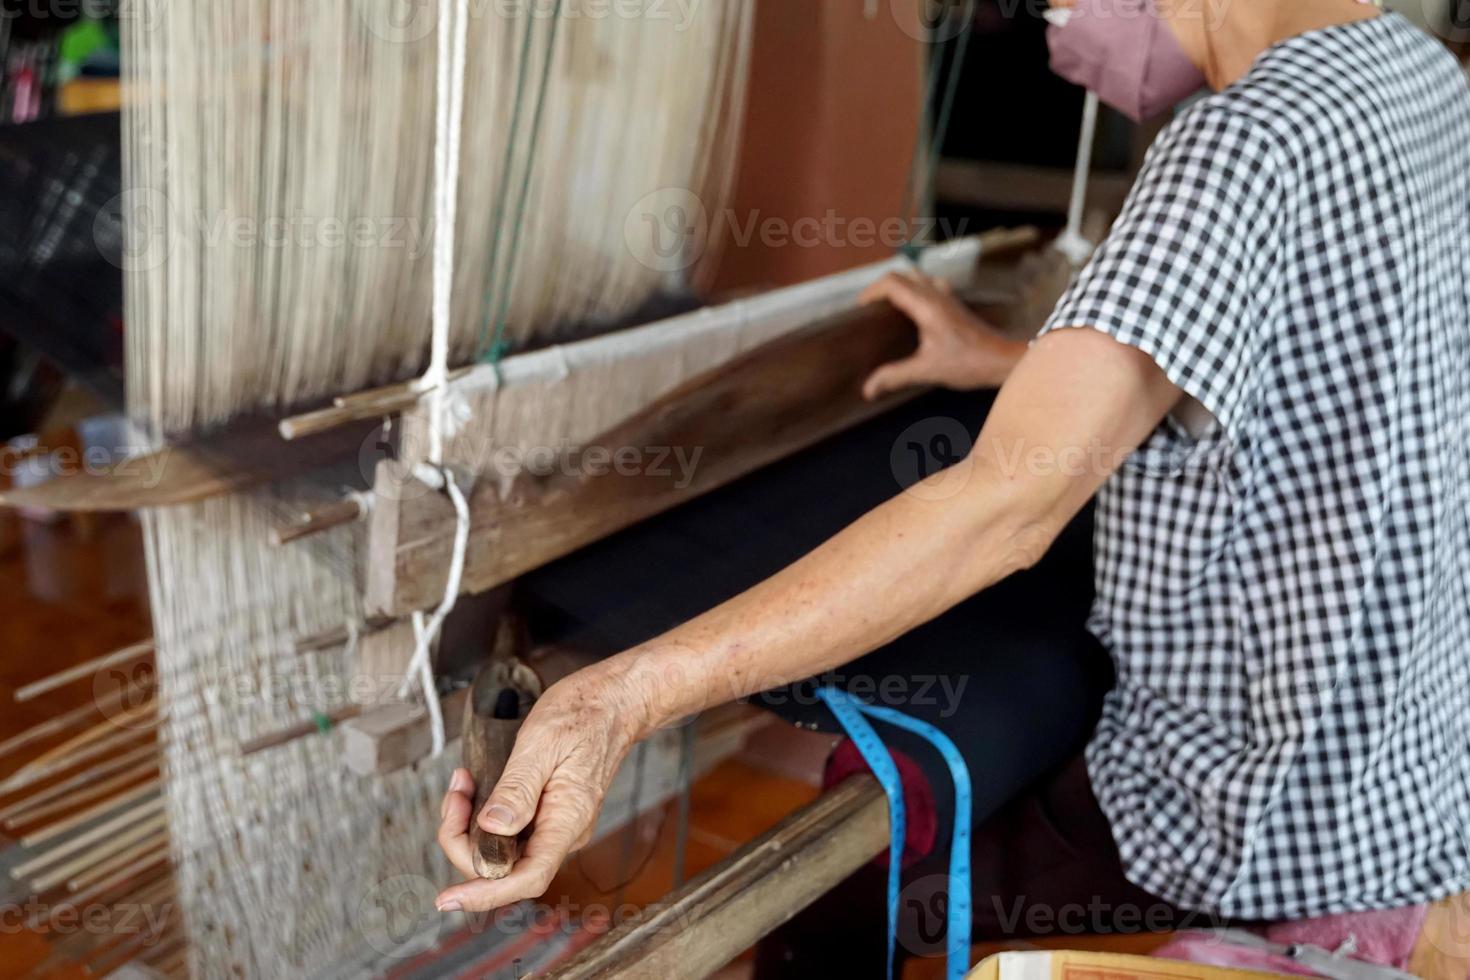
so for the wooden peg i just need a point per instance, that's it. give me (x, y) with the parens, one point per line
(346, 511)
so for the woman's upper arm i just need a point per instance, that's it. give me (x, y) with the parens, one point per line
(1075, 407)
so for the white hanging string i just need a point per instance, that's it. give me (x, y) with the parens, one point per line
(426, 629)
(449, 128)
(1072, 243)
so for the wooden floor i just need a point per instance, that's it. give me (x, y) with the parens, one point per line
(67, 594)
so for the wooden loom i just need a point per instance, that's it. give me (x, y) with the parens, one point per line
(755, 408)
(747, 383)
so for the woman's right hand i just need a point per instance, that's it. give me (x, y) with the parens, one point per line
(957, 349)
(556, 780)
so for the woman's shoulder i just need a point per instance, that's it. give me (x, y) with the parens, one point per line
(1223, 134)
(1323, 95)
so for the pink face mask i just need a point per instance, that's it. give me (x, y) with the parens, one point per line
(1123, 51)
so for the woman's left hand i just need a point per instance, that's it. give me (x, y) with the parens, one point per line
(557, 778)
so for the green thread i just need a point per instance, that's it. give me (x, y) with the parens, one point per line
(918, 191)
(323, 722)
(931, 93)
(497, 217)
(498, 345)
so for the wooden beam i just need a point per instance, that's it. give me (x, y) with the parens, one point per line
(755, 410)
(246, 454)
(716, 916)
(748, 413)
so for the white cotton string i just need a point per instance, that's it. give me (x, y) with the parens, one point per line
(453, 43)
(1072, 243)
(449, 129)
(426, 629)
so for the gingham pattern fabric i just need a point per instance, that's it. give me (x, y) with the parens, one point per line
(1287, 597)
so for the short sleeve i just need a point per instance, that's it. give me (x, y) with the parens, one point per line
(1191, 270)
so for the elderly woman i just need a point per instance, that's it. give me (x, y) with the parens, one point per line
(1280, 321)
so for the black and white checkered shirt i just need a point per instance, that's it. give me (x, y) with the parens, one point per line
(1287, 596)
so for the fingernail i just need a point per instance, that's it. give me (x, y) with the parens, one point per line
(451, 906)
(500, 816)
(459, 782)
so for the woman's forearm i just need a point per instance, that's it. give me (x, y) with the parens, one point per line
(922, 552)
(896, 568)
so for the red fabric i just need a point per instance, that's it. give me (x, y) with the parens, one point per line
(922, 817)
(1384, 938)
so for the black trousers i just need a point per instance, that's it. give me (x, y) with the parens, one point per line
(1012, 675)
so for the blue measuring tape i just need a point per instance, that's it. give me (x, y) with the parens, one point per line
(850, 713)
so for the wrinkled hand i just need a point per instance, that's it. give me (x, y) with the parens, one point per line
(555, 782)
(957, 349)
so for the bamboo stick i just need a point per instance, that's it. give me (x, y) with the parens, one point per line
(117, 862)
(73, 822)
(164, 952)
(29, 776)
(72, 745)
(103, 848)
(60, 789)
(83, 671)
(82, 946)
(119, 955)
(60, 723)
(149, 832)
(91, 792)
(159, 891)
(105, 805)
(122, 878)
